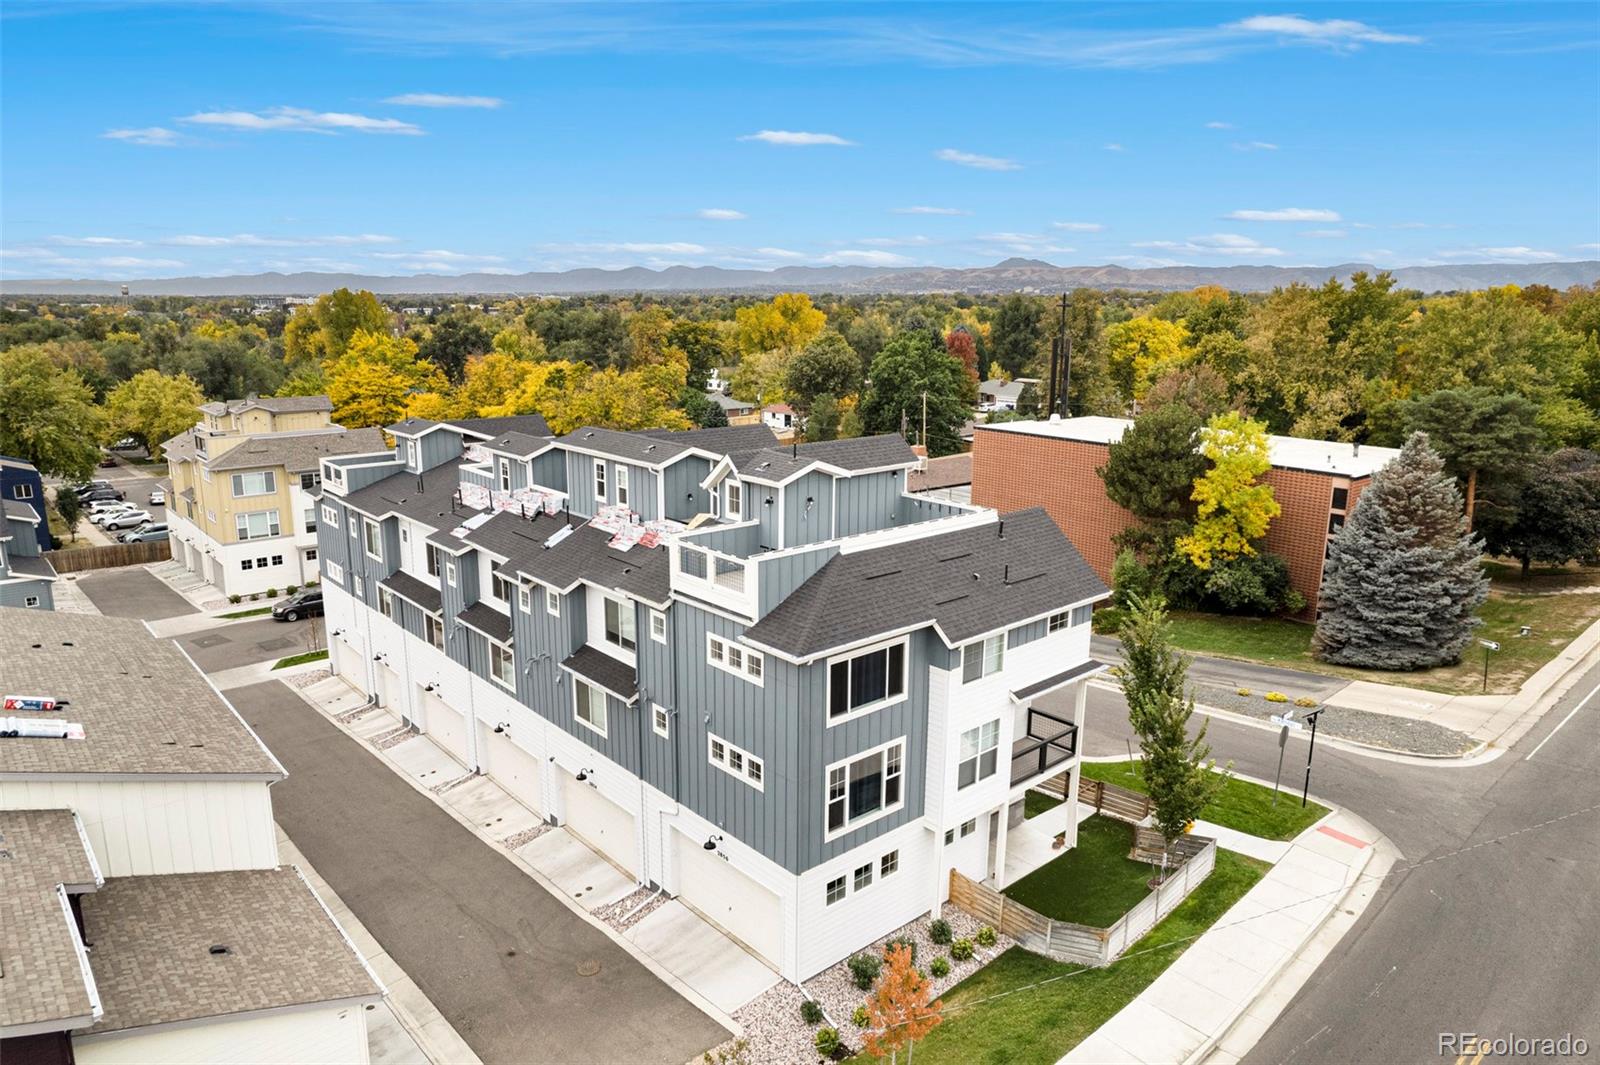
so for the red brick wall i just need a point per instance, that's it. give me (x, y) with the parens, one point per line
(1300, 533)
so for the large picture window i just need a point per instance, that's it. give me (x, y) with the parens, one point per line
(979, 754)
(981, 658)
(256, 526)
(865, 788)
(260, 483)
(619, 624)
(866, 680)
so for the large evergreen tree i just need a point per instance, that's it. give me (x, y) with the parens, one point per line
(1404, 576)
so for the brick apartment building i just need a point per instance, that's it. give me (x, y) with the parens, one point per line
(1052, 464)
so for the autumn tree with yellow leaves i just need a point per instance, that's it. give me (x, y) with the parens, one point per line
(1235, 509)
(376, 377)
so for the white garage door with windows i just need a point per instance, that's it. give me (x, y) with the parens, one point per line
(447, 726)
(601, 823)
(729, 899)
(511, 767)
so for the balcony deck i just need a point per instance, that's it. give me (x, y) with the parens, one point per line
(1049, 742)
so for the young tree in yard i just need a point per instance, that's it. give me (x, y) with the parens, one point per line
(1404, 576)
(908, 368)
(1178, 771)
(371, 382)
(1551, 515)
(898, 1010)
(1235, 509)
(153, 408)
(47, 415)
(1476, 432)
(71, 510)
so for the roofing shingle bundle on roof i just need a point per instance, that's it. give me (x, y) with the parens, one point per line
(584, 554)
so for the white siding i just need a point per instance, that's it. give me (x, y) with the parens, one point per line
(146, 827)
(325, 1035)
(829, 933)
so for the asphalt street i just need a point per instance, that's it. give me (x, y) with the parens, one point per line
(1227, 673)
(133, 592)
(243, 643)
(503, 959)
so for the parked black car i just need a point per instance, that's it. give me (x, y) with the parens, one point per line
(306, 604)
(102, 493)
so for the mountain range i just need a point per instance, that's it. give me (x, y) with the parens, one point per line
(1011, 275)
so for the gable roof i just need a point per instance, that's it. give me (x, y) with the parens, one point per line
(275, 404)
(968, 583)
(853, 455)
(297, 452)
(45, 978)
(526, 424)
(517, 445)
(584, 554)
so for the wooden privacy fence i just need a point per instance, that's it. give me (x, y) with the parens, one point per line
(83, 558)
(1065, 941)
(1121, 803)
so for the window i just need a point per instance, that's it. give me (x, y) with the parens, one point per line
(1059, 621)
(405, 534)
(277, 560)
(502, 663)
(256, 526)
(982, 658)
(658, 626)
(619, 624)
(865, 788)
(1341, 499)
(411, 454)
(386, 604)
(622, 485)
(371, 541)
(433, 629)
(866, 681)
(969, 827)
(432, 555)
(599, 481)
(334, 571)
(660, 722)
(835, 890)
(500, 588)
(330, 517)
(736, 762)
(505, 475)
(524, 599)
(360, 585)
(311, 554)
(1081, 615)
(261, 563)
(24, 491)
(1335, 523)
(590, 705)
(863, 877)
(337, 472)
(31, 600)
(740, 661)
(247, 563)
(552, 602)
(311, 519)
(889, 865)
(949, 836)
(309, 481)
(260, 483)
(450, 572)
(735, 507)
(979, 754)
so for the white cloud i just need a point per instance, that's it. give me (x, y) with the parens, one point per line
(779, 253)
(893, 242)
(435, 99)
(1518, 254)
(58, 261)
(1079, 227)
(130, 260)
(854, 257)
(1025, 243)
(95, 242)
(1286, 214)
(1323, 234)
(439, 255)
(929, 210)
(149, 136)
(1219, 125)
(1115, 147)
(794, 138)
(302, 120)
(1587, 247)
(252, 240)
(635, 247)
(1224, 244)
(1334, 32)
(977, 162)
(1254, 146)
(721, 214)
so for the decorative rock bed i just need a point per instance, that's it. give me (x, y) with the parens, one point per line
(632, 908)
(307, 679)
(526, 836)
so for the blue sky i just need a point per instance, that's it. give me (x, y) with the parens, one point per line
(207, 138)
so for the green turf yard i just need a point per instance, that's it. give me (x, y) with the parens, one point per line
(301, 659)
(1035, 803)
(1242, 805)
(1094, 883)
(1037, 1022)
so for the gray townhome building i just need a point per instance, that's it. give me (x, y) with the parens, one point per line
(27, 579)
(762, 678)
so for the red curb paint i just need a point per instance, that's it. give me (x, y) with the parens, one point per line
(1343, 837)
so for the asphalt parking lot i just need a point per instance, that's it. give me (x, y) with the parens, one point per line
(133, 592)
(246, 642)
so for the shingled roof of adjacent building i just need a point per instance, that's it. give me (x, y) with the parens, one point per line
(968, 583)
(948, 471)
(526, 424)
(409, 588)
(486, 619)
(17, 510)
(601, 670)
(144, 707)
(297, 452)
(43, 976)
(153, 938)
(276, 404)
(583, 555)
(423, 497)
(517, 445)
(657, 446)
(853, 455)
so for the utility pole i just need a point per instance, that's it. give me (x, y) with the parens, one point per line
(924, 440)
(1064, 406)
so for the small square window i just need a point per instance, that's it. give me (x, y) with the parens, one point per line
(949, 836)
(718, 751)
(863, 876)
(31, 600)
(277, 560)
(736, 761)
(969, 827)
(247, 563)
(1335, 523)
(835, 890)
(658, 626)
(1341, 499)
(889, 865)
(1059, 621)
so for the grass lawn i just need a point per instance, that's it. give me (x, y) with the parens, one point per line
(1035, 803)
(1038, 1024)
(1242, 805)
(296, 660)
(1556, 616)
(1094, 883)
(252, 612)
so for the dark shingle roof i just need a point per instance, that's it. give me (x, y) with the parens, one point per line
(409, 588)
(597, 667)
(298, 453)
(852, 455)
(517, 445)
(276, 404)
(426, 498)
(657, 446)
(1050, 684)
(487, 620)
(525, 424)
(584, 554)
(968, 582)
(411, 426)
(17, 510)
(31, 566)
(721, 439)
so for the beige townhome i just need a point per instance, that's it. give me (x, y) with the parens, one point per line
(241, 513)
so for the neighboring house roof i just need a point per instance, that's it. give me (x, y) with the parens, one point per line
(1006, 390)
(17, 510)
(297, 453)
(409, 588)
(275, 404)
(728, 403)
(777, 408)
(600, 669)
(30, 566)
(153, 937)
(948, 471)
(180, 448)
(144, 707)
(1285, 452)
(13, 463)
(969, 583)
(526, 424)
(487, 620)
(45, 979)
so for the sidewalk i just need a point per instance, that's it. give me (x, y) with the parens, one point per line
(1227, 987)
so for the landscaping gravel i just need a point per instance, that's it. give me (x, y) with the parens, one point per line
(526, 836)
(397, 736)
(622, 915)
(306, 680)
(1401, 734)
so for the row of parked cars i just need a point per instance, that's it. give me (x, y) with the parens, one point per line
(107, 506)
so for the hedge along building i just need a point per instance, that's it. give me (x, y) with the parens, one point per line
(1053, 464)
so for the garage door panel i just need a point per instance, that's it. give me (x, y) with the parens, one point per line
(513, 768)
(601, 823)
(446, 726)
(722, 894)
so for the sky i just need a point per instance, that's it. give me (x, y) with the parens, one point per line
(162, 139)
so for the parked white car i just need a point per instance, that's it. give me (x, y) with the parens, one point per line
(100, 509)
(158, 498)
(126, 519)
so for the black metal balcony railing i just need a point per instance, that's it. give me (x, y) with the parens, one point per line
(1050, 741)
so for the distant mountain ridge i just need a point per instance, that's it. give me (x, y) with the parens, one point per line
(1011, 275)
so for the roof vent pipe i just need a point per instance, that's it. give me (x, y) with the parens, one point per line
(1002, 527)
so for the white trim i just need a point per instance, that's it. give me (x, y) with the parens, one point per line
(524, 599)
(595, 691)
(851, 713)
(368, 525)
(747, 659)
(620, 491)
(599, 482)
(850, 826)
(655, 616)
(732, 753)
(660, 721)
(552, 602)
(511, 658)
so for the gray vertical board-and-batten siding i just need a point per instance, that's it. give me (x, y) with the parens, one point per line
(868, 502)
(803, 522)
(683, 496)
(438, 447)
(15, 593)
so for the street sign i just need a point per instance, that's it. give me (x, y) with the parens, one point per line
(1287, 722)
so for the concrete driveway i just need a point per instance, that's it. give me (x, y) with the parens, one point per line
(133, 592)
(243, 643)
(519, 975)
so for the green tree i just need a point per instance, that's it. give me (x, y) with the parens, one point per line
(704, 411)
(826, 366)
(1151, 471)
(1018, 335)
(341, 314)
(1404, 577)
(70, 508)
(153, 408)
(229, 366)
(1552, 515)
(47, 414)
(702, 344)
(1476, 432)
(823, 421)
(1235, 508)
(454, 339)
(867, 334)
(910, 370)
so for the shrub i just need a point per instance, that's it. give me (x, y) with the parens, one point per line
(986, 936)
(827, 1042)
(961, 949)
(291, 589)
(272, 593)
(1129, 576)
(1276, 697)
(865, 968)
(810, 1012)
(901, 941)
(1255, 585)
(859, 1018)
(235, 598)
(254, 596)
(939, 931)
(1242, 691)
(1305, 700)
(1107, 620)
(939, 967)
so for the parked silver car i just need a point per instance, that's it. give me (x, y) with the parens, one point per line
(126, 519)
(146, 533)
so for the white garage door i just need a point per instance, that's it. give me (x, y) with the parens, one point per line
(601, 823)
(512, 767)
(727, 898)
(447, 726)
(349, 663)
(390, 689)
